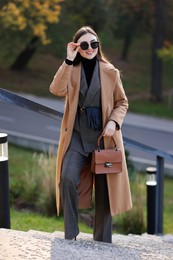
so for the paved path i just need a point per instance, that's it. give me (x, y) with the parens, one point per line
(29, 129)
(34, 245)
(133, 119)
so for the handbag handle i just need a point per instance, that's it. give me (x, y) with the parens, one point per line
(98, 142)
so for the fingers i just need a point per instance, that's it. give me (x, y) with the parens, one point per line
(72, 49)
(73, 46)
(77, 48)
(108, 133)
(109, 129)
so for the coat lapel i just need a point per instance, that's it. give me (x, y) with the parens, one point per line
(94, 86)
(74, 92)
(76, 75)
(83, 83)
(107, 84)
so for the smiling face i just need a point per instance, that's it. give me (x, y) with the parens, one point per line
(90, 53)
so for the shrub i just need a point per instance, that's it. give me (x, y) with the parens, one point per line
(47, 198)
(133, 221)
(35, 188)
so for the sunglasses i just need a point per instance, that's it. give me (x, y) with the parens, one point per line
(85, 45)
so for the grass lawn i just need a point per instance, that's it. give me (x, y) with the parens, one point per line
(20, 160)
(27, 220)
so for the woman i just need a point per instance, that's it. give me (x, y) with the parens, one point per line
(95, 104)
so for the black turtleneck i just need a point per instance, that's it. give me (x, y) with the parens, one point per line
(88, 66)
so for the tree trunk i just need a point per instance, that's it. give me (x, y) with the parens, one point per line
(126, 46)
(156, 76)
(25, 56)
(129, 35)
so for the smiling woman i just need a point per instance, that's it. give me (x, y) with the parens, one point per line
(86, 49)
(96, 105)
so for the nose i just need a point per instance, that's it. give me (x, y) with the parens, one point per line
(89, 47)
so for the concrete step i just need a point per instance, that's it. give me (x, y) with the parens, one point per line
(36, 245)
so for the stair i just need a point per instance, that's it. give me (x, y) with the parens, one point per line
(36, 245)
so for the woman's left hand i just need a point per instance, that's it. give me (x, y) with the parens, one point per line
(109, 129)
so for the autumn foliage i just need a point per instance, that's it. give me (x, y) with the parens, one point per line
(30, 15)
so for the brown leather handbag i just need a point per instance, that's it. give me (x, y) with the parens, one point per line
(105, 161)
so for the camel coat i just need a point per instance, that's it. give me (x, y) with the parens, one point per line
(66, 83)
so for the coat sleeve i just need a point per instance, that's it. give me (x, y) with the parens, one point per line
(60, 81)
(120, 102)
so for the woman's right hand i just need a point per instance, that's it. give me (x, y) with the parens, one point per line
(72, 49)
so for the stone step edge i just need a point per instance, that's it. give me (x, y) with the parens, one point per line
(85, 236)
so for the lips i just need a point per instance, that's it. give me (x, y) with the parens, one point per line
(89, 52)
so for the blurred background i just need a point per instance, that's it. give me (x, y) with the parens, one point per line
(137, 37)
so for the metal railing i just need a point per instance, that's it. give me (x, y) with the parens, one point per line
(160, 157)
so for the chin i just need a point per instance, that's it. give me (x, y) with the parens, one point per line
(90, 57)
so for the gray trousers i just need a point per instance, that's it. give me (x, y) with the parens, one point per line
(74, 160)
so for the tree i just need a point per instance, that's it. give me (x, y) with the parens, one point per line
(166, 52)
(86, 12)
(75, 14)
(31, 18)
(131, 17)
(161, 48)
(158, 34)
(154, 17)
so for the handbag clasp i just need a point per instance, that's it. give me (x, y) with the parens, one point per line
(108, 164)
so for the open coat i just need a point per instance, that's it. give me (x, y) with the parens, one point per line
(114, 103)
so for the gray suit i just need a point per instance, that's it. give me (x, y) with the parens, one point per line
(83, 142)
(88, 97)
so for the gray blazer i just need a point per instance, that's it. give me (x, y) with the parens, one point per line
(88, 97)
